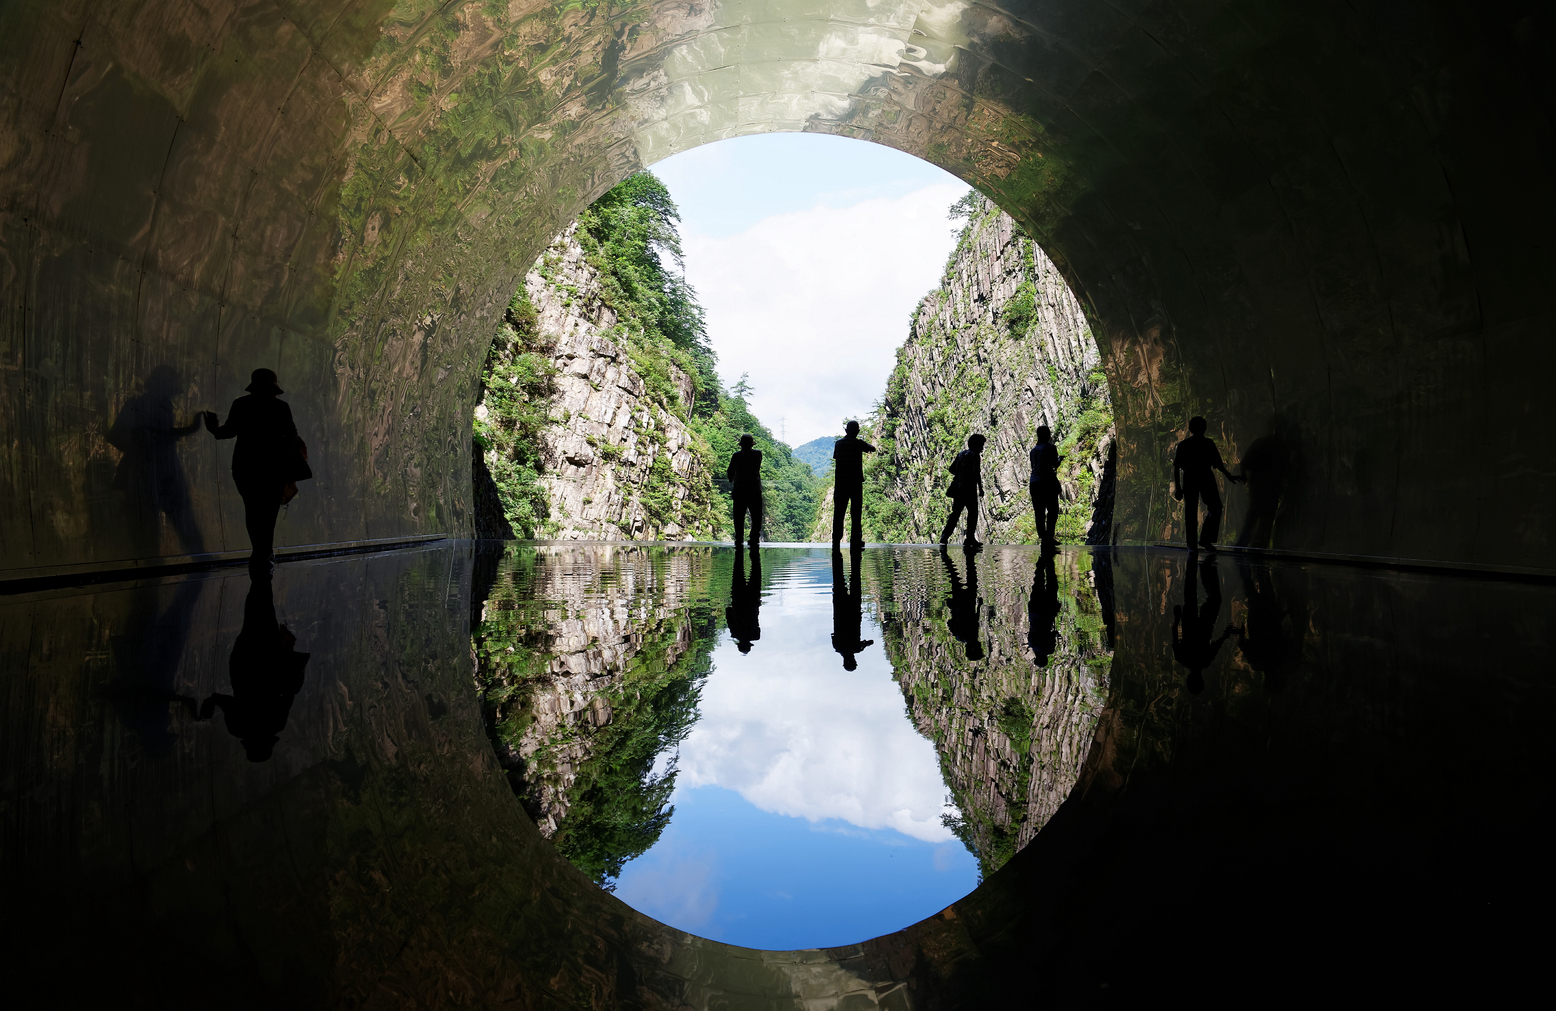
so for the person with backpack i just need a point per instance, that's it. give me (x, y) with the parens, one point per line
(745, 475)
(966, 486)
(1192, 480)
(267, 463)
(1044, 487)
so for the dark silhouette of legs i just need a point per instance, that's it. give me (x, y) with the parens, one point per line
(843, 498)
(743, 505)
(957, 505)
(1045, 512)
(261, 506)
(1192, 497)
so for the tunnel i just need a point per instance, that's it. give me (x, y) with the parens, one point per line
(1325, 224)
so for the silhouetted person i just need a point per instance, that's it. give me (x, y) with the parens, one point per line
(966, 486)
(742, 616)
(1192, 480)
(745, 475)
(268, 457)
(848, 608)
(1044, 486)
(848, 483)
(266, 676)
(149, 472)
(1043, 610)
(1193, 624)
(963, 604)
(1266, 467)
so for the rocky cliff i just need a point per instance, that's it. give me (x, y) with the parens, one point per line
(1001, 347)
(1012, 728)
(617, 460)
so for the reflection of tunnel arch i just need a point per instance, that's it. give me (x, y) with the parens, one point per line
(1331, 214)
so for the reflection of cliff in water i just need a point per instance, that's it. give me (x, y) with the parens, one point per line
(1012, 733)
(590, 658)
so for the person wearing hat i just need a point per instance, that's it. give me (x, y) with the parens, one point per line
(268, 459)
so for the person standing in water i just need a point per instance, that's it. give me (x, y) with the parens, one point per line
(745, 475)
(269, 457)
(1044, 486)
(966, 486)
(848, 484)
(1192, 481)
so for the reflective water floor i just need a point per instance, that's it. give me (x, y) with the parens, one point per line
(401, 779)
(793, 749)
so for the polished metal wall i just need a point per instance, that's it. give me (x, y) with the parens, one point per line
(1322, 225)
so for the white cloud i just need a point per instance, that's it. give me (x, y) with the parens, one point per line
(813, 304)
(795, 734)
(678, 888)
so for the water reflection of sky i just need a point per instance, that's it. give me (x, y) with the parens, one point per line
(807, 809)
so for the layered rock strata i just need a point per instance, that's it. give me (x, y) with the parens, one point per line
(1012, 734)
(579, 636)
(1001, 347)
(618, 461)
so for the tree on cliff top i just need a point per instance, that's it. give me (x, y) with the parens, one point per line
(627, 235)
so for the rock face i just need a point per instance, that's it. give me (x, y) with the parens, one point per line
(570, 647)
(1000, 348)
(618, 462)
(1012, 733)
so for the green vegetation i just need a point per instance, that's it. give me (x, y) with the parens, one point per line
(630, 239)
(615, 808)
(519, 380)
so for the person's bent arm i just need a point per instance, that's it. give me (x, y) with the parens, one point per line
(227, 431)
(865, 447)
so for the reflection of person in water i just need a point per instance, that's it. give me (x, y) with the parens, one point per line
(1193, 624)
(963, 603)
(149, 473)
(745, 600)
(148, 654)
(1264, 642)
(1043, 610)
(266, 675)
(848, 608)
(268, 456)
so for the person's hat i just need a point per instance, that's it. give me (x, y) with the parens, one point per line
(263, 381)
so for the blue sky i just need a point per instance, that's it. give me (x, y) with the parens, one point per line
(807, 806)
(809, 253)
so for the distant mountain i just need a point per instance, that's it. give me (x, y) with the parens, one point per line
(817, 453)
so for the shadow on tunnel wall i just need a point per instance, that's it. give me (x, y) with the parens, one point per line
(150, 481)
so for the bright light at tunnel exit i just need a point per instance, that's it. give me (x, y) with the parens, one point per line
(809, 252)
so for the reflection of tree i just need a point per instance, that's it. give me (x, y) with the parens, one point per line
(591, 663)
(619, 806)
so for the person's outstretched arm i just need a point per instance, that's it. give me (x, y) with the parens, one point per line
(1222, 467)
(865, 447)
(227, 431)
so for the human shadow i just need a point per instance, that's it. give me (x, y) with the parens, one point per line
(267, 673)
(149, 472)
(848, 608)
(1269, 468)
(1193, 623)
(147, 656)
(1043, 610)
(1272, 637)
(742, 616)
(963, 602)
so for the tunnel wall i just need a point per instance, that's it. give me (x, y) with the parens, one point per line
(1323, 226)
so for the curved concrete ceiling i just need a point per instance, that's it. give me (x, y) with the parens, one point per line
(1321, 223)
